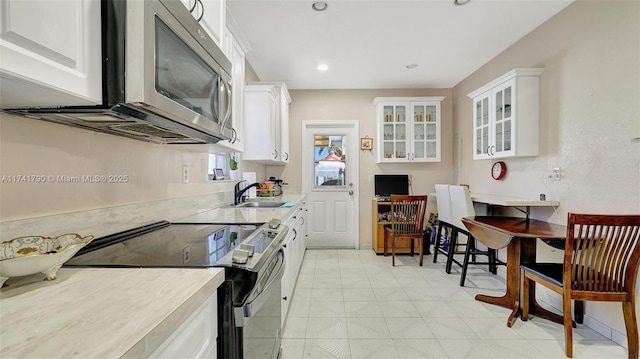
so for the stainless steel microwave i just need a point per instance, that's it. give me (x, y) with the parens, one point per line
(164, 79)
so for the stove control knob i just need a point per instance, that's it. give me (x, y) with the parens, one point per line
(274, 223)
(249, 248)
(240, 256)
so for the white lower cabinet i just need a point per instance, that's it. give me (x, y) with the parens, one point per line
(196, 337)
(294, 247)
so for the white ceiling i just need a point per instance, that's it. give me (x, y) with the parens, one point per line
(369, 43)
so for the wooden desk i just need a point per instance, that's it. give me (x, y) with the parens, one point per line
(519, 236)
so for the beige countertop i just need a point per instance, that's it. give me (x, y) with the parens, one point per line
(111, 312)
(99, 312)
(229, 214)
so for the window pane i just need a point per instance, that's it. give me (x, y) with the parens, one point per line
(329, 160)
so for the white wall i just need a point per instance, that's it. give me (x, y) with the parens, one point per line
(357, 105)
(589, 116)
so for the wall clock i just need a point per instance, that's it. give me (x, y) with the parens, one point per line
(498, 170)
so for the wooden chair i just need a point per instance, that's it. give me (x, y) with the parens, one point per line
(601, 260)
(407, 219)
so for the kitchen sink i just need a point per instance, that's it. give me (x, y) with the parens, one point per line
(261, 204)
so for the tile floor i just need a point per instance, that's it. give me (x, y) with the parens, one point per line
(354, 304)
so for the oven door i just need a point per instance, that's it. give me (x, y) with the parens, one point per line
(259, 318)
(174, 69)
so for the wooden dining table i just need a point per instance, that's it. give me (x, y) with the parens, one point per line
(519, 236)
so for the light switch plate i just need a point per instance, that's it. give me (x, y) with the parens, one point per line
(185, 174)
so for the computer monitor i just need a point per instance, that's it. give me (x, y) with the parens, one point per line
(386, 185)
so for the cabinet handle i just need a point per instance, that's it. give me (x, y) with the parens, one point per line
(285, 297)
(295, 234)
(284, 245)
(275, 156)
(235, 136)
(287, 156)
(195, 2)
(302, 221)
(201, 13)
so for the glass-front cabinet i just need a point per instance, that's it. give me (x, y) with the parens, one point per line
(408, 129)
(505, 116)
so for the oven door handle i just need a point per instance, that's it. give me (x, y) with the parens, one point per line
(253, 306)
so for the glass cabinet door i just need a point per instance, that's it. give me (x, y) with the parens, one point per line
(395, 132)
(425, 130)
(481, 126)
(503, 97)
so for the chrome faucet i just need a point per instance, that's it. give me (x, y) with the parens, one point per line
(239, 193)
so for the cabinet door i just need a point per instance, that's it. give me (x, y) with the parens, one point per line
(260, 124)
(237, 59)
(196, 337)
(212, 15)
(425, 133)
(395, 132)
(503, 113)
(50, 53)
(284, 128)
(481, 126)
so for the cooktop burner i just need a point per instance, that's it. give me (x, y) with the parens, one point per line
(171, 245)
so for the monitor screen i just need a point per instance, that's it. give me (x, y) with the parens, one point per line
(386, 185)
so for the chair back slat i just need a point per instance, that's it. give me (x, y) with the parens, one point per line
(604, 252)
(407, 214)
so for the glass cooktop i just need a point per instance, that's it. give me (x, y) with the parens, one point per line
(175, 245)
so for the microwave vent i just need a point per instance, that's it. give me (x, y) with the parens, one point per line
(149, 130)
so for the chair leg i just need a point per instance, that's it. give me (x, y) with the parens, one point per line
(465, 262)
(578, 311)
(420, 249)
(453, 242)
(384, 241)
(568, 326)
(524, 296)
(393, 250)
(436, 243)
(493, 267)
(630, 321)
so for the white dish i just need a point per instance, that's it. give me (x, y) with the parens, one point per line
(37, 254)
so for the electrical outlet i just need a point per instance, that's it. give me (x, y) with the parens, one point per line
(185, 174)
(555, 174)
(371, 178)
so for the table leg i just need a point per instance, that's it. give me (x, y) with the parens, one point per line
(511, 298)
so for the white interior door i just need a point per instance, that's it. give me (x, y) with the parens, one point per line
(329, 179)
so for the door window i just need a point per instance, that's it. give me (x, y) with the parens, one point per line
(329, 161)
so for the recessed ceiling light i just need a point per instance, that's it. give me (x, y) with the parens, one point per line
(412, 66)
(320, 5)
(323, 67)
(460, 2)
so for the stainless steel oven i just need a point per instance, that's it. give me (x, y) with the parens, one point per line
(249, 300)
(164, 80)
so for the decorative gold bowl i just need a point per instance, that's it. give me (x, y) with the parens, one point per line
(37, 254)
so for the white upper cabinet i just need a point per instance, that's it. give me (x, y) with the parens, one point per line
(235, 47)
(212, 16)
(266, 123)
(408, 129)
(506, 115)
(50, 53)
